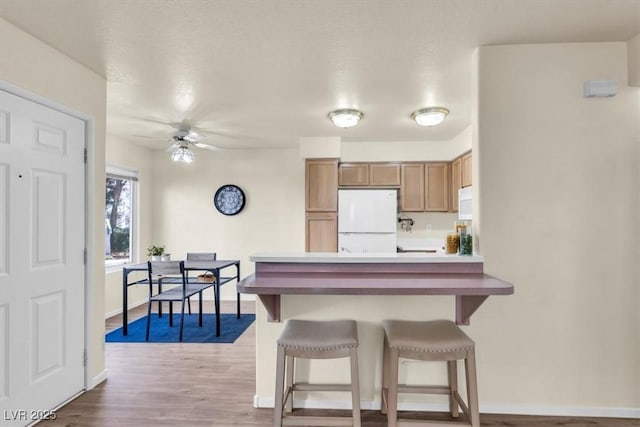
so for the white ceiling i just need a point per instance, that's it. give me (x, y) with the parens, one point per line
(265, 73)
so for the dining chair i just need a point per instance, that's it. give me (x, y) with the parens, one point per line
(172, 273)
(194, 282)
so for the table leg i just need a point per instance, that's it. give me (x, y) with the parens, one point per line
(125, 302)
(237, 293)
(217, 302)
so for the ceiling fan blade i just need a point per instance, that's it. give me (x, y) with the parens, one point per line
(172, 147)
(207, 146)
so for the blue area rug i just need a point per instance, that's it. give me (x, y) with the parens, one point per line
(230, 329)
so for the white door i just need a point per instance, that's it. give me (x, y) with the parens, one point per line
(41, 259)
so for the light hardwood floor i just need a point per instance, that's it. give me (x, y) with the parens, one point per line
(211, 385)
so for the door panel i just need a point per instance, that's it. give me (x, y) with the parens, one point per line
(41, 257)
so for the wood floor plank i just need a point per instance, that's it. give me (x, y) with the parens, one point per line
(213, 385)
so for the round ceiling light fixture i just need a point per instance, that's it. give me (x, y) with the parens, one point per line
(346, 117)
(183, 154)
(430, 116)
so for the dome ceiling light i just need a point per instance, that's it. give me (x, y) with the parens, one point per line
(431, 116)
(183, 154)
(346, 117)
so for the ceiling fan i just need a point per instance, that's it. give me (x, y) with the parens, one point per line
(182, 139)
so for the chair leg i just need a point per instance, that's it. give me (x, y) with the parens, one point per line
(199, 309)
(472, 388)
(452, 369)
(181, 320)
(392, 394)
(148, 321)
(170, 313)
(355, 387)
(237, 305)
(189, 304)
(290, 367)
(385, 376)
(277, 410)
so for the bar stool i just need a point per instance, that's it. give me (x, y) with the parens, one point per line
(315, 340)
(438, 340)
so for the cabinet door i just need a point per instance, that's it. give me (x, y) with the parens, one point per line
(456, 183)
(384, 174)
(353, 174)
(321, 185)
(412, 188)
(436, 183)
(466, 170)
(321, 232)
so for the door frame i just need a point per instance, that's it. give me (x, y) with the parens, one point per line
(89, 223)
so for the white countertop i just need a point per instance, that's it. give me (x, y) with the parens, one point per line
(332, 257)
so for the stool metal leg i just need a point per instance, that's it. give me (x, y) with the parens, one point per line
(355, 387)
(452, 368)
(277, 410)
(392, 394)
(472, 388)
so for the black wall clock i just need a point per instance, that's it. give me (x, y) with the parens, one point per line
(229, 199)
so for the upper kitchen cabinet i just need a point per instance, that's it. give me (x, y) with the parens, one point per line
(384, 174)
(412, 188)
(456, 182)
(369, 175)
(321, 185)
(466, 170)
(436, 184)
(353, 174)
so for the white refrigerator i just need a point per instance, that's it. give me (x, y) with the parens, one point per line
(367, 221)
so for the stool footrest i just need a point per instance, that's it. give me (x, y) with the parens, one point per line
(428, 423)
(321, 387)
(304, 420)
(429, 389)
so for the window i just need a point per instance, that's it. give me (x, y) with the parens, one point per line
(120, 224)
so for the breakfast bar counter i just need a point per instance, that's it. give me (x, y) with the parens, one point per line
(372, 274)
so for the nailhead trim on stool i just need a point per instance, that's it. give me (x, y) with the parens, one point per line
(437, 340)
(315, 340)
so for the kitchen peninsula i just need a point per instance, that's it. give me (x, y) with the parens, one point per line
(372, 274)
(367, 288)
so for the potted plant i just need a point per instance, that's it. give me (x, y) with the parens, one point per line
(155, 252)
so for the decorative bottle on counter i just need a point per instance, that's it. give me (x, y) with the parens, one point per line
(453, 241)
(466, 243)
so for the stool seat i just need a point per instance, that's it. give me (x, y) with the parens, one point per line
(437, 336)
(311, 335)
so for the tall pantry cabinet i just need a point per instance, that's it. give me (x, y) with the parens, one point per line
(321, 205)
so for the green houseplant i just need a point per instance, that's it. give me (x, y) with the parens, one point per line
(155, 252)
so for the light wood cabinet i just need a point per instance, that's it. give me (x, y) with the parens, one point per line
(436, 184)
(321, 185)
(384, 174)
(456, 183)
(412, 188)
(356, 174)
(466, 170)
(321, 232)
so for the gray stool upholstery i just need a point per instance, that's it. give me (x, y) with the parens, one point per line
(315, 340)
(438, 340)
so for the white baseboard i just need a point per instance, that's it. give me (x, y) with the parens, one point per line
(102, 376)
(561, 411)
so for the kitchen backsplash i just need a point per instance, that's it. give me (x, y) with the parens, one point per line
(428, 224)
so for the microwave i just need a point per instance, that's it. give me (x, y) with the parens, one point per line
(465, 203)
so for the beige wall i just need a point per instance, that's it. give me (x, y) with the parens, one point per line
(184, 218)
(558, 186)
(633, 59)
(33, 66)
(125, 154)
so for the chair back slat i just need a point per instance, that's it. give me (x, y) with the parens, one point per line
(166, 268)
(201, 256)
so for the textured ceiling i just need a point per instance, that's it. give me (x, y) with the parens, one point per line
(265, 73)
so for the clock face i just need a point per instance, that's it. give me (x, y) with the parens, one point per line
(229, 199)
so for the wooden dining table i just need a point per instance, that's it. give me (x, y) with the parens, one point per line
(212, 267)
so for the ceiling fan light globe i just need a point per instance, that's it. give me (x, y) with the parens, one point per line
(183, 155)
(430, 116)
